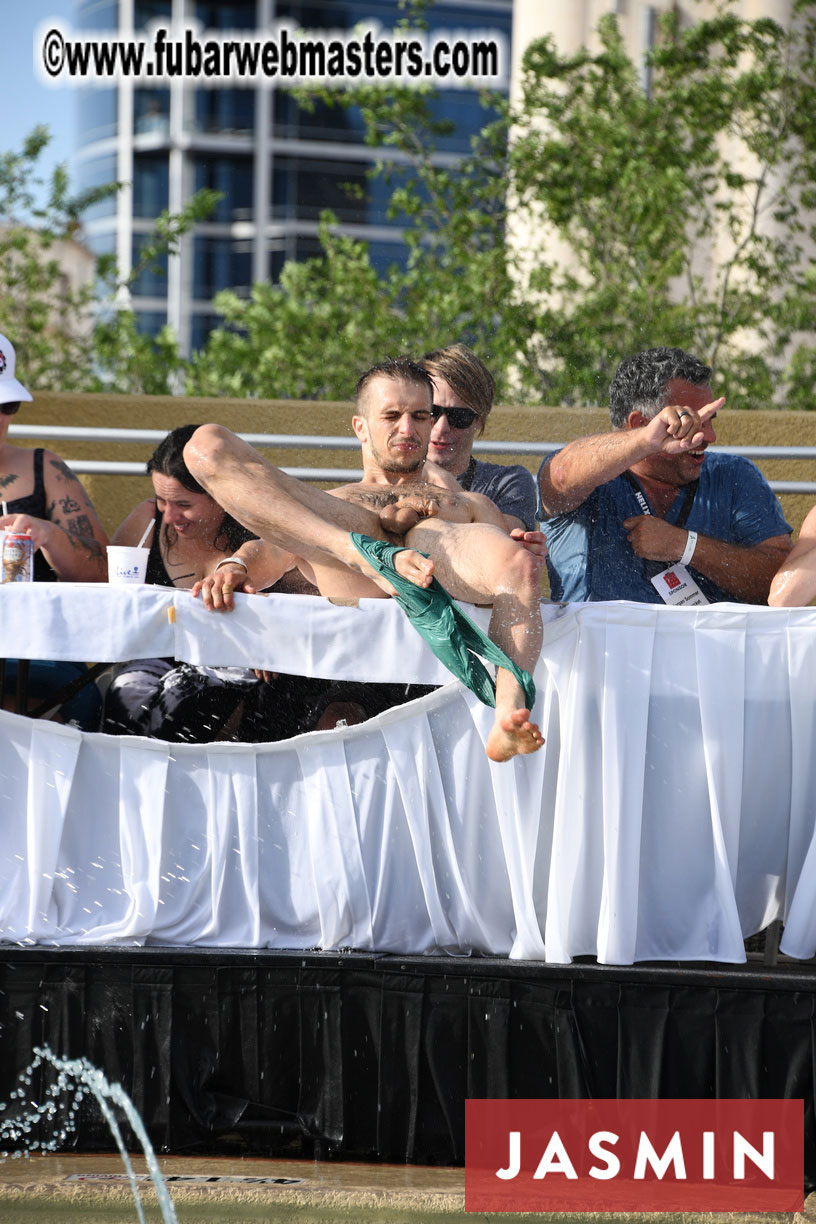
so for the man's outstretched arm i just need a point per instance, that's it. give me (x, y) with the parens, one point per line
(574, 472)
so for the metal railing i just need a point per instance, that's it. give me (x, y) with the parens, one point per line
(113, 467)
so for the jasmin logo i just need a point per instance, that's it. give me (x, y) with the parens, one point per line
(636, 1155)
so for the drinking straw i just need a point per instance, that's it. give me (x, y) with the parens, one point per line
(148, 530)
(5, 509)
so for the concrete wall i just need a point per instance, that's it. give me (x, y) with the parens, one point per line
(115, 496)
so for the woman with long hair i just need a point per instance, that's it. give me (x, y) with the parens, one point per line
(190, 537)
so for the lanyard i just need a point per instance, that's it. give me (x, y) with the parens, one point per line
(685, 509)
(651, 568)
(466, 479)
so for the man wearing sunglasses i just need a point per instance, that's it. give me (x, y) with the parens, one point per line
(463, 397)
(461, 536)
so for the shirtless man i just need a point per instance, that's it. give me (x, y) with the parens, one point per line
(469, 550)
(794, 585)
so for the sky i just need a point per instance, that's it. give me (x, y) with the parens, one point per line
(25, 102)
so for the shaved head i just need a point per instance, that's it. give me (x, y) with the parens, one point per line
(401, 369)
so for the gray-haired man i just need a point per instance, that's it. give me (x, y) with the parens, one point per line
(645, 512)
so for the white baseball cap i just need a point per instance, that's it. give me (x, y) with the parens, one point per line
(10, 388)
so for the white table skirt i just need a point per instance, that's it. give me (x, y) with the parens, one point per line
(670, 813)
(300, 634)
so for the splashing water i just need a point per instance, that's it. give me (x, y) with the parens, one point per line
(76, 1077)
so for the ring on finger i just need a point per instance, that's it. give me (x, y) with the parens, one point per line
(682, 414)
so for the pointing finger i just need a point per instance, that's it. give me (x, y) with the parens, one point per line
(710, 410)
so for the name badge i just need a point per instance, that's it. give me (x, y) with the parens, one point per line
(676, 586)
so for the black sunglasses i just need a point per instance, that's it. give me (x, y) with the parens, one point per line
(458, 418)
(9, 409)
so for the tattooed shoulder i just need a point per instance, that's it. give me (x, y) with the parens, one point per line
(62, 469)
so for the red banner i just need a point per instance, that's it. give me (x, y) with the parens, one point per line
(634, 1155)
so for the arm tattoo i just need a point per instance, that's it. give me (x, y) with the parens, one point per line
(62, 469)
(80, 526)
(7, 480)
(91, 547)
(69, 505)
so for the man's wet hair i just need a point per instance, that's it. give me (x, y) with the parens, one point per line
(639, 383)
(401, 369)
(466, 374)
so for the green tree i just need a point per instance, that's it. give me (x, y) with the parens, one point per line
(680, 204)
(594, 218)
(77, 338)
(330, 317)
(45, 318)
(126, 359)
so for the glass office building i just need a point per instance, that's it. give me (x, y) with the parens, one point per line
(276, 164)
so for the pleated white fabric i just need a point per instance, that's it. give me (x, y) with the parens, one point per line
(300, 634)
(670, 813)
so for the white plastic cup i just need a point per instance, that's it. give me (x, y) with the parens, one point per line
(126, 564)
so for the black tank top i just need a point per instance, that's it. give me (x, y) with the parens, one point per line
(34, 504)
(156, 572)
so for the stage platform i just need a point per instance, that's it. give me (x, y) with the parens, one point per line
(358, 1056)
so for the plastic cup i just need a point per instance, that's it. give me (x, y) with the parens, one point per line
(126, 564)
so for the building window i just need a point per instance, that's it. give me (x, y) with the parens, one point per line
(323, 122)
(384, 255)
(150, 322)
(151, 111)
(146, 12)
(97, 15)
(221, 263)
(304, 187)
(225, 110)
(233, 16)
(100, 244)
(292, 247)
(152, 279)
(200, 327)
(98, 172)
(150, 185)
(97, 114)
(233, 177)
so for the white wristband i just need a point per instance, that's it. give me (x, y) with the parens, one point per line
(238, 561)
(688, 551)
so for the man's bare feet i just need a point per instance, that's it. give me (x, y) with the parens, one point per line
(512, 735)
(415, 567)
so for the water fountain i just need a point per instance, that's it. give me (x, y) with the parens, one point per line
(75, 1078)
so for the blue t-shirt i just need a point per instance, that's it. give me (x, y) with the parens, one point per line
(509, 486)
(590, 557)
